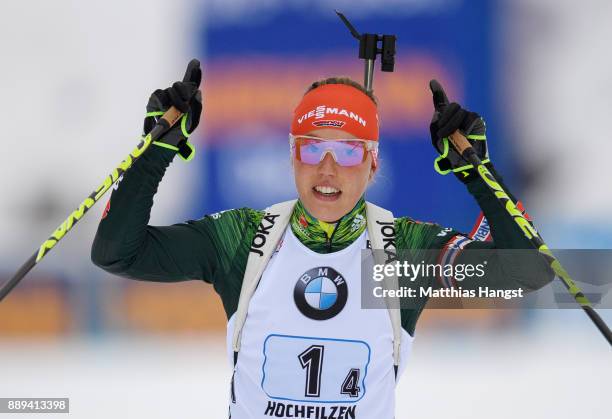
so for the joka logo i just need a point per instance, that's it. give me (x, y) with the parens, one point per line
(263, 229)
(320, 293)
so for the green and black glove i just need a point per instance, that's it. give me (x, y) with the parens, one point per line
(186, 97)
(447, 118)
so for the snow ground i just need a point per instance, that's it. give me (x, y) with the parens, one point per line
(455, 375)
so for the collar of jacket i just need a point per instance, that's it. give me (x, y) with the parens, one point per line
(323, 237)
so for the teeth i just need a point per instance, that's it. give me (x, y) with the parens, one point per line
(326, 189)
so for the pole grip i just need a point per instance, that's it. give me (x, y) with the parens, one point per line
(168, 119)
(459, 141)
(171, 116)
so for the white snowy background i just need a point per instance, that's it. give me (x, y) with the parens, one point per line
(74, 79)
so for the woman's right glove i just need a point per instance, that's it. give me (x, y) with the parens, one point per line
(186, 97)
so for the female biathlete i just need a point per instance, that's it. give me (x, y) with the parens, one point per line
(289, 277)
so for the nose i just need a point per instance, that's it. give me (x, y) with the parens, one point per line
(328, 165)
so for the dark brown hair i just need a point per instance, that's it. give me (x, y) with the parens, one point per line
(342, 80)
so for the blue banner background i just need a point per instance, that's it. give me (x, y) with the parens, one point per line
(258, 66)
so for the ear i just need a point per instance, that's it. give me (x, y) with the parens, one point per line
(373, 170)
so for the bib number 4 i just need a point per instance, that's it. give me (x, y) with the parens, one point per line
(350, 385)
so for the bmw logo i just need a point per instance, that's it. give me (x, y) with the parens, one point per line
(320, 293)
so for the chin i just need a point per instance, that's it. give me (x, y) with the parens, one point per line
(325, 209)
(328, 212)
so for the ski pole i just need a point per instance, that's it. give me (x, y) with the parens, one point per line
(167, 120)
(463, 147)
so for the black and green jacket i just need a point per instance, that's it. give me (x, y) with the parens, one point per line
(215, 248)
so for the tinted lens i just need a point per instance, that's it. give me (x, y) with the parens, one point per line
(310, 150)
(346, 153)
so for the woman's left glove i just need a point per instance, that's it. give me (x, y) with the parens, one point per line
(187, 98)
(447, 118)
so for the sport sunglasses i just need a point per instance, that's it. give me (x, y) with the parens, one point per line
(346, 152)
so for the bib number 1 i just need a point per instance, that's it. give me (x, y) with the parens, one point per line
(314, 369)
(312, 360)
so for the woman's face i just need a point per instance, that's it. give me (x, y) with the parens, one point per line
(347, 183)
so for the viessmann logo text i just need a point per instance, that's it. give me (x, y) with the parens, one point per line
(322, 110)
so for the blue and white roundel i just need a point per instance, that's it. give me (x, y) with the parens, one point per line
(320, 293)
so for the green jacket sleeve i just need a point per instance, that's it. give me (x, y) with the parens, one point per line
(125, 245)
(530, 271)
(526, 269)
(213, 249)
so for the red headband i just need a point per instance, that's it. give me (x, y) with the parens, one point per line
(338, 106)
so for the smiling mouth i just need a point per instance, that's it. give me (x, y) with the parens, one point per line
(326, 193)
